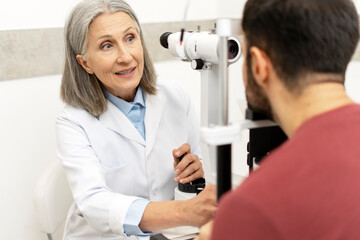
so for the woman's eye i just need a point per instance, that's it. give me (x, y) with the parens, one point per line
(130, 38)
(106, 46)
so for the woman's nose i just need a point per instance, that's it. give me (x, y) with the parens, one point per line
(124, 55)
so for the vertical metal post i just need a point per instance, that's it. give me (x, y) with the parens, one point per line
(223, 153)
(209, 112)
(214, 107)
(223, 81)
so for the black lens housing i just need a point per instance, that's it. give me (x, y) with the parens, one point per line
(164, 39)
(233, 49)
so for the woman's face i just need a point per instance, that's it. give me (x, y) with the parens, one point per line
(115, 54)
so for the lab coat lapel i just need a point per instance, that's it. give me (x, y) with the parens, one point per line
(155, 105)
(115, 120)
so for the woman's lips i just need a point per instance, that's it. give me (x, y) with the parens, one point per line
(125, 72)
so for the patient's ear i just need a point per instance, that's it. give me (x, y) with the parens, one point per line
(261, 65)
(81, 60)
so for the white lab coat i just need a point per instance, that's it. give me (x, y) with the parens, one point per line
(109, 165)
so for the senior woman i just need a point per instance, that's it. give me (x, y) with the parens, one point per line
(121, 133)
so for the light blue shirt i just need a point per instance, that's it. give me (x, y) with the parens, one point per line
(135, 112)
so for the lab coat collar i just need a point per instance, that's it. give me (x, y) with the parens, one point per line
(155, 105)
(115, 120)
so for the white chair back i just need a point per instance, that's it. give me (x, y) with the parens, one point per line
(52, 198)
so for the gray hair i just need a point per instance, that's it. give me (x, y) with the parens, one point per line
(79, 88)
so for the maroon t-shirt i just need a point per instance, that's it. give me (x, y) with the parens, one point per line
(308, 188)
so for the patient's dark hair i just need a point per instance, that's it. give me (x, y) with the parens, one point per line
(302, 36)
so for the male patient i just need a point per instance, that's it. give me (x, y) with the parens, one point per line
(296, 55)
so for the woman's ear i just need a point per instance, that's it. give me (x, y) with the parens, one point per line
(81, 60)
(260, 65)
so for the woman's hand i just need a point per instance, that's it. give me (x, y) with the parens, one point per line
(205, 231)
(190, 167)
(195, 211)
(201, 208)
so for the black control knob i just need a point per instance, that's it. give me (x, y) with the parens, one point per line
(197, 64)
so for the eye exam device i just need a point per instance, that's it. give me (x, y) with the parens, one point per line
(211, 53)
(199, 47)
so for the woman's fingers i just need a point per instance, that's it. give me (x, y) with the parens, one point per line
(189, 169)
(178, 152)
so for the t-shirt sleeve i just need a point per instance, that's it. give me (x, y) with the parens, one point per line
(239, 218)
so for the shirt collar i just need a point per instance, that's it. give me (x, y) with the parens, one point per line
(123, 105)
(139, 97)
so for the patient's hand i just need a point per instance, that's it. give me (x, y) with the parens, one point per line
(189, 168)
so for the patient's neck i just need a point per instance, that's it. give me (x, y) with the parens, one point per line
(292, 110)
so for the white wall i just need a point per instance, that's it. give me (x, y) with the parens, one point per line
(34, 14)
(234, 8)
(352, 84)
(170, 10)
(230, 8)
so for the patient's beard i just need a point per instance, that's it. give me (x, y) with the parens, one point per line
(255, 96)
